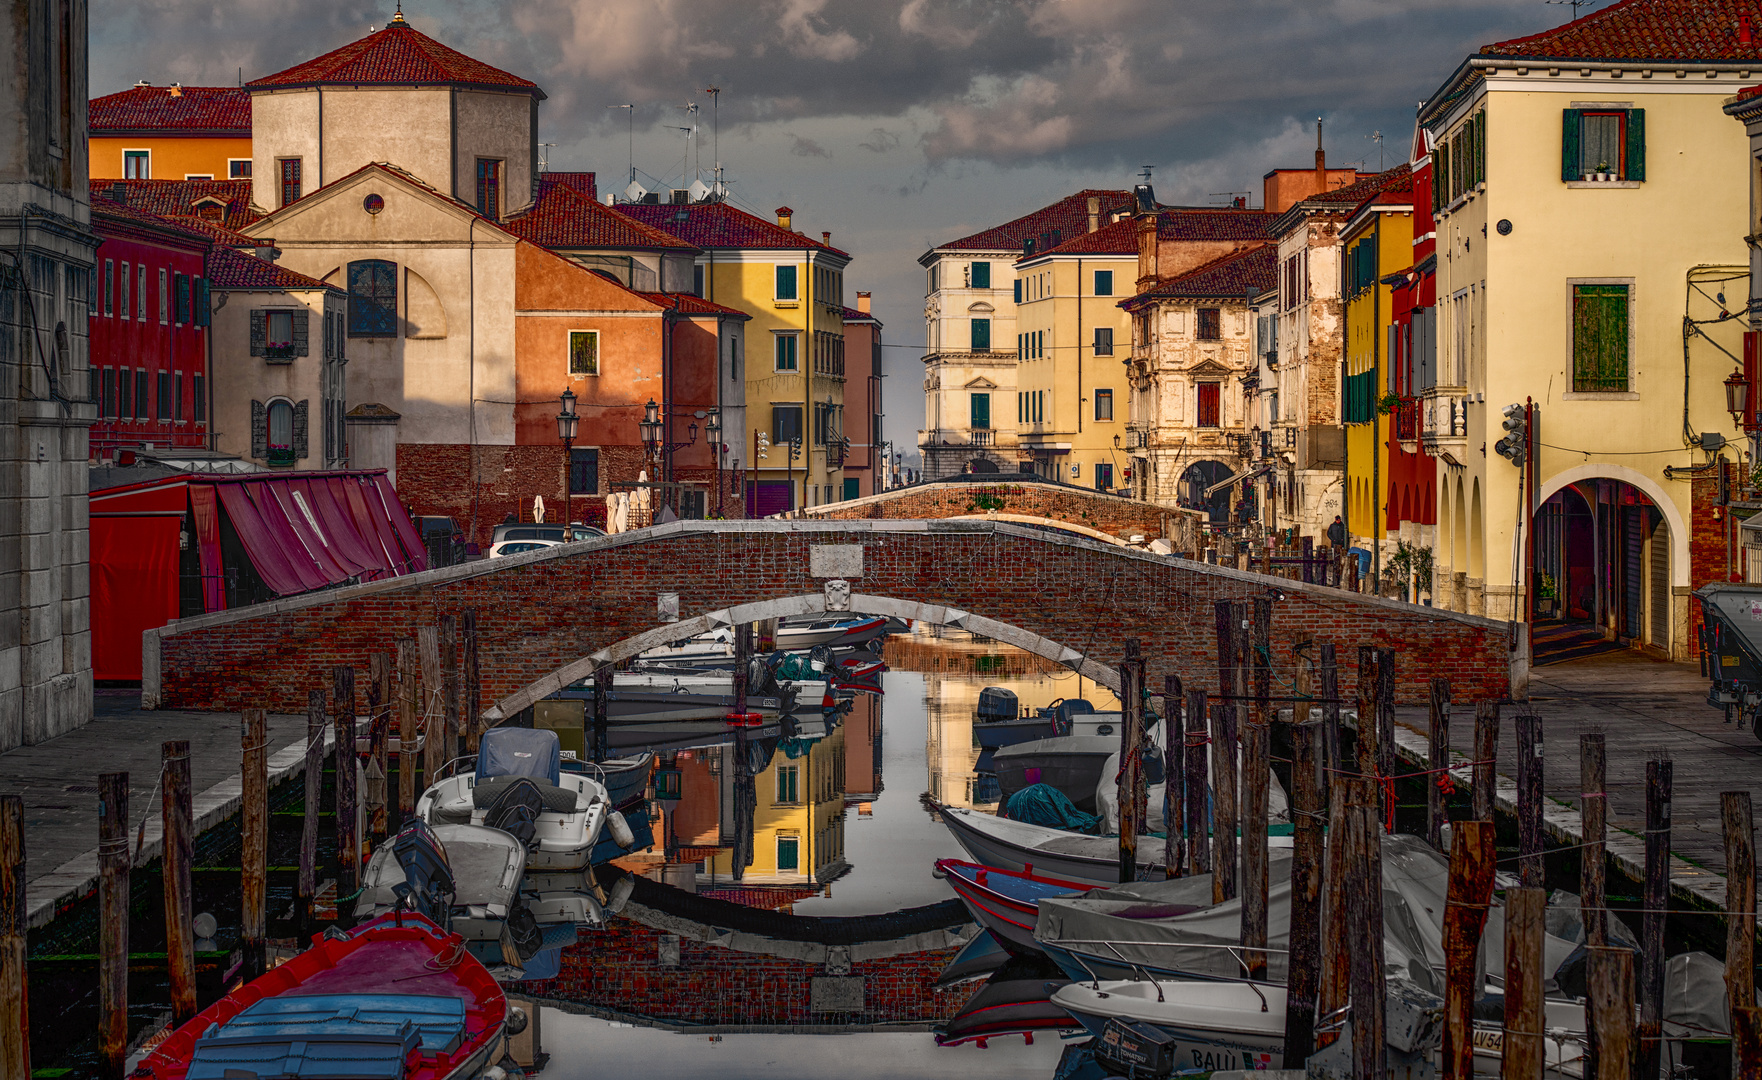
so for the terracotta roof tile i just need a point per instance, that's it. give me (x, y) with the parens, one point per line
(106, 211)
(853, 315)
(719, 225)
(232, 269)
(565, 218)
(177, 198)
(398, 55)
(1069, 217)
(213, 230)
(1687, 30)
(691, 304)
(584, 182)
(1231, 277)
(1352, 195)
(1173, 223)
(191, 110)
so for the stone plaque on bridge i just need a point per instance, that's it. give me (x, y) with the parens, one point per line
(831, 993)
(835, 560)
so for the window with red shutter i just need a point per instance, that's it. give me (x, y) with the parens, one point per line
(1208, 405)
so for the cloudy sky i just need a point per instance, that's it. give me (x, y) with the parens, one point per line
(897, 124)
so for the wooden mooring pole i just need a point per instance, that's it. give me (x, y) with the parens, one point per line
(1386, 712)
(1531, 842)
(1328, 672)
(1334, 985)
(1174, 771)
(1610, 970)
(348, 839)
(1256, 774)
(254, 836)
(1368, 756)
(381, 692)
(15, 1019)
(1364, 906)
(1655, 898)
(175, 814)
(452, 726)
(1593, 816)
(1486, 755)
(409, 688)
(1223, 802)
(1303, 968)
(1740, 918)
(602, 690)
(473, 718)
(1526, 910)
(1470, 891)
(1131, 736)
(429, 712)
(1196, 819)
(1746, 1042)
(1438, 731)
(306, 886)
(113, 897)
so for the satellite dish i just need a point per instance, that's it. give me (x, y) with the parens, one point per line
(699, 190)
(635, 192)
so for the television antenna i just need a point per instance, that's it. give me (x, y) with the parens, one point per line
(543, 156)
(715, 93)
(1574, 4)
(1145, 172)
(690, 108)
(1377, 137)
(632, 136)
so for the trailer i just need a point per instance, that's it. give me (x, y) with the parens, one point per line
(1731, 648)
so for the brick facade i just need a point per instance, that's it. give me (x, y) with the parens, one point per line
(539, 612)
(1715, 553)
(1110, 514)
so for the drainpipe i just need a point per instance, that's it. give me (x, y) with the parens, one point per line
(807, 374)
(1376, 427)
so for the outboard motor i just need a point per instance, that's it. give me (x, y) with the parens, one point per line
(427, 888)
(995, 703)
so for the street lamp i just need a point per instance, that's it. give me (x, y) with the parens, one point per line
(567, 422)
(1737, 398)
(713, 432)
(650, 425)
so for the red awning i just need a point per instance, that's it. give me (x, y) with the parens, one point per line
(307, 531)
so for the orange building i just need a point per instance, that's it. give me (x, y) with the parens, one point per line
(171, 133)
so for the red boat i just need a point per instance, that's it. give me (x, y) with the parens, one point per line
(1006, 902)
(395, 999)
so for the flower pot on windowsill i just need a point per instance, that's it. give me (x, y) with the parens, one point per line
(281, 459)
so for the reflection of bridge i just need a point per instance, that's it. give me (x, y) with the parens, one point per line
(549, 618)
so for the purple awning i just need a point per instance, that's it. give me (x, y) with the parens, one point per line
(312, 530)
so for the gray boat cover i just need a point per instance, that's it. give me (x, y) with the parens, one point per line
(487, 866)
(512, 751)
(1173, 926)
(1107, 798)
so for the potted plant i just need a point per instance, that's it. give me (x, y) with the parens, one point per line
(1546, 598)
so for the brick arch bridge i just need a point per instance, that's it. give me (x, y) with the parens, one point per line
(1022, 498)
(548, 616)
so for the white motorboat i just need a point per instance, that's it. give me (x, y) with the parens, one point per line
(518, 785)
(839, 630)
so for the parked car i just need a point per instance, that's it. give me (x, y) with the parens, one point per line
(443, 540)
(520, 547)
(559, 533)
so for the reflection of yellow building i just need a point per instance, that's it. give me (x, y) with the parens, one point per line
(798, 825)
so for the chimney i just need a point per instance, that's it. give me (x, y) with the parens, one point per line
(119, 192)
(1744, 35)
(1094, 212)
(863, 302)
(826, 238)
(785, 217)
(177, 89)
(266, 249)
(1321, 159)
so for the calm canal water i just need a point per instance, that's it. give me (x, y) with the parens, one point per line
(850, 806)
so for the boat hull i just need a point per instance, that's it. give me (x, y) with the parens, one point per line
(1073, 764)
(1000, 852)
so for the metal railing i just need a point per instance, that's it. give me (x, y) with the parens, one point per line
(1406, 418)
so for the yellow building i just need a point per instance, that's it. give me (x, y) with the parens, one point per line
(798, 819)
(1072, 339)
(793, 288)
(1587, 204)
(1377, 241)
(172, 133)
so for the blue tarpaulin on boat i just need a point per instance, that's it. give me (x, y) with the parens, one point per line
(362, 1036)
(1043, 804)
(512, 751)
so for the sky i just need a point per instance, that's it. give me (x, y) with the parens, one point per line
(897, 125)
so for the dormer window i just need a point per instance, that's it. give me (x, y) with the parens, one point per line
(489, 188)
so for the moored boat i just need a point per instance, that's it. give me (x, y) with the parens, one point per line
(1005, 902)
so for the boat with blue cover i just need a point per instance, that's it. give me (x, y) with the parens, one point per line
(1005, 902)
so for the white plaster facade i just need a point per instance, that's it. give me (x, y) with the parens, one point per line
(954, 370)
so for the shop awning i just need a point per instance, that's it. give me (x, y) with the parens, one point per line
(1250, 471)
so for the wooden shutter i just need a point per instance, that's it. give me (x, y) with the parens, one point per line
(204, 304)
(300, 430)
(259, 333)
(1480, 146)
(1569, 142)
(301, 338)
(182, 286)
(1635, 150)
(259, 426)
(1599, 338)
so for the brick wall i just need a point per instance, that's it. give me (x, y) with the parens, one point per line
(437, 478)
(1104, 513)
(619, 968)
(543, 611)
(1713, 546)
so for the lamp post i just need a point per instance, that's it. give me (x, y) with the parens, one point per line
(713, 431)
(654, 438)
(567, 422)
(1737, 398)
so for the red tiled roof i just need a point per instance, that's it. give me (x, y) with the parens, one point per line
(213, 230)
(584, 182)
(1173, 223)
(1401, 176)
(1687, 30)
(565, 218)
(177, 198)
(229, 268)
(853, 315)
(719, 225)
(398, 55)
(189, 110)
(691, 304)
(1069, 217)
(1231, 277)
(106, 211)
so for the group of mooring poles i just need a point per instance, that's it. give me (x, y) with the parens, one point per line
(436, 704)
(1341, 808)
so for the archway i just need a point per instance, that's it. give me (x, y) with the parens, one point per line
(1196, 479)
(1477, 558)
(1612, 542)
(981, 465)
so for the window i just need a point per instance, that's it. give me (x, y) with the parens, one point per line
(981, 333)
(1103, 476)
(109, 284)
(785, 423)
(281, 427)
(787, 360)
(183, 300)
(373, 298)
(584, 471)
(1104, 405)
(1208, 404)
(1021, 408)
(489, 188)
(1210, 324)
(290, 179)
(141, 395)
(788, 781)
(826, 427)
(164, 395)
(141, 293)
(787, 848)
(122, 292)
(203, 305)
(1018, 294)
(584, 352)
(238, 168)
(198, 176)
(697, 281)
(278, 335)
(177, 396)
(135, 165)
(1599, 338)
(108, 400)
(1104, 283)
(786, 283)
(1104, 341)
(1018, 346)
(981, 275)
(198, 399)
(164, 298)
(979, 410)
(1610, 142)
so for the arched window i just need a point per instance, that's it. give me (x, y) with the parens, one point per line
(281, 425)
(373, 298)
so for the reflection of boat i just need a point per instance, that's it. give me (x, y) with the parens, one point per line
(518, 785)
(623, 778)
(1015, 1000)
(994, 727)
(977, 959)
(1005, 902)
(839, 631)
(1000, 843)
(395, 999)
(1074, 764)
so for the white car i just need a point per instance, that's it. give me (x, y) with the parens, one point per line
(520, 547)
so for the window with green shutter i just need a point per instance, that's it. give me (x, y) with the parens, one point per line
(981, 335)
(981, 275)
(1603, 143)
(980, 413)
(785, 283)
(1599, 338)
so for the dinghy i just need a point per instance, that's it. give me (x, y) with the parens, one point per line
(1004, 902)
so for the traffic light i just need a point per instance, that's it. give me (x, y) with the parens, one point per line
(795, 448)
(1514, 447)
(764, 445)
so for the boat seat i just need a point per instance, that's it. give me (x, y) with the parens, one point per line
(557, 800)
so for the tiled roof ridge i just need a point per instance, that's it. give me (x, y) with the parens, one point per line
(691, 304)
(107, 207)
(734, 227)
(1659, 30)
(229, 268)
(160, 195)
(1359, 190)
(1263, 250)
(397, 54)
(1072, 206)
(156, 108)
(541, 222)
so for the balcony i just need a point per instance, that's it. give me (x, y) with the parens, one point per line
(1444, 417)
(1405, 419)
(981, 437)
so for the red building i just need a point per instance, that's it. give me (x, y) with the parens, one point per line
(1410, 491)
(863, 467)
(149, 332)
